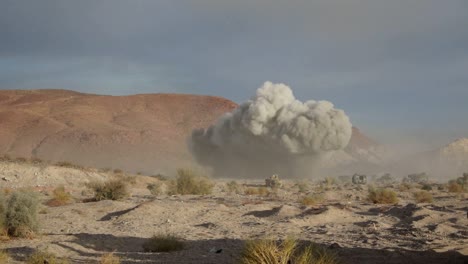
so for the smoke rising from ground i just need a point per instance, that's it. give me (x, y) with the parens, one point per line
(272, 133)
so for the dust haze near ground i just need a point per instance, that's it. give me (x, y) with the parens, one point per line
(272, 133)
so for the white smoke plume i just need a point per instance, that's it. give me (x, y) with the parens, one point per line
(271, 133)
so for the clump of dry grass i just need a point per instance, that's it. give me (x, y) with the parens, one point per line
(155, 188)
(260, 191)
(60, 197)
(188, 182)
(109, 258)
(405, 186)
(455, 187)
(4, 257)
(267, 251)
(382, 196)
(163, 243)
(233, 187)
(42, 257)
(423, 197)
(311, 200)
(115, 189)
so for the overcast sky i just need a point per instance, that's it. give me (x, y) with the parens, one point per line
(398, 68)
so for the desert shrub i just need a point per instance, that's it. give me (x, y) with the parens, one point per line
(4, 257)
(3, 227)
(233, 187)
(21, 159)
(423, 197)
(302, 187)
(382, 196)
(160, 177)
(118, 171)
(426, 187)
(188, 182)
(311, 200)
(41, 257)
(21, 214)
(267, 251)
(455, 187)
(6, 157)
(115, 189)
(60, 197)
(163, 243)
(65, 164)
(329, 181)
(405, 186)
(109, 258)
(155, 188)
(260, 191)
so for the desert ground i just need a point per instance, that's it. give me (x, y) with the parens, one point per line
(215, 227)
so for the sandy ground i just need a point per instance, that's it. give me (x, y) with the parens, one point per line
(356, 229)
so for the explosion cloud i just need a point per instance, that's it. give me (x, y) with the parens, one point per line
(272, 133)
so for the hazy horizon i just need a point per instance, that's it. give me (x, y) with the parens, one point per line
(398, 69)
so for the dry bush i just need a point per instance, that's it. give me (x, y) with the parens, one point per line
(60, 197)
(4, 257)
(311, 200)
(163, 243)
(65, 164)
(118, 171)
(6, 157)
(233, 187)
(188, 182)
(21, 214)
(302, 186)
(42, 257)
(423, 197)
(267, 251)
(115, 189)
(109, 258)
(260, 191)
(455, 187)
(155, 188)
(405, 186)
(382, 196)
(426, 187)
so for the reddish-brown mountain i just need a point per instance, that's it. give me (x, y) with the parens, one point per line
(145, 132)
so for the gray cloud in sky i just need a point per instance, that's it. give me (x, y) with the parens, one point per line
(387, 63)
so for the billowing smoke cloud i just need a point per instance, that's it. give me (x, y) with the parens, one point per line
(272, 133)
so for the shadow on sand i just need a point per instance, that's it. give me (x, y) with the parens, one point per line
(89, 247)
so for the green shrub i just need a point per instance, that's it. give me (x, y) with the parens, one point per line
(109, 258)
(115, 189)
(163, 243)
(60, 197)
(423, 197)
(42, 257)
(187, 182)
(311, 200)
(155, 188)
(21, 214)
(267, 251)
(382, 196)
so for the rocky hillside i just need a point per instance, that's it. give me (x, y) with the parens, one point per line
(144, 132)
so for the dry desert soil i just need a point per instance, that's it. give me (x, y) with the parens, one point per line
(215, 227)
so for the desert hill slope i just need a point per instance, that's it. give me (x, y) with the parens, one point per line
(145, 132)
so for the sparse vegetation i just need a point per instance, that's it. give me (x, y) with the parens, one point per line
(4, 257)
(155, 188)
(115, 189)
(233, 187)
(42, 257)
(423, 197)
(329, 181)
(109, 258)
(382, 196)
(21, 214)
(405, 186)
(60, 197)
(163, 243)
(267, 251)
(311, 200)
(302, 186)
(273, 182)
(188, 182)
(260, 191)
(118, 171)
(455, 187)
(426, 187)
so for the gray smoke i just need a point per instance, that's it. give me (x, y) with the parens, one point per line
(271, 133)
